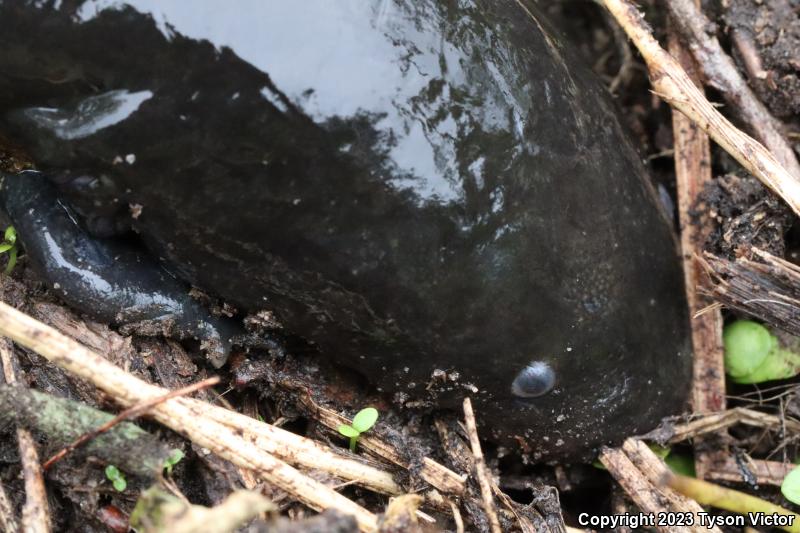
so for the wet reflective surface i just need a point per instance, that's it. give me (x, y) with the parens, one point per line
(111, 280)
(413, 186)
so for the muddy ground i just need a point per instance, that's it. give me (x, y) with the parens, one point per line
(763, 37)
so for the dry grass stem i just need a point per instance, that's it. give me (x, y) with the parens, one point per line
(481, 472)
(129, 390)
(692, 155)
(722, 74)
(674, 86)
(36, 510)
(639, 473)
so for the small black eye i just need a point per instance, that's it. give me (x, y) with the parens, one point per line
(536, 379)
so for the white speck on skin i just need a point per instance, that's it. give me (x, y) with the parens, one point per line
(130, 159)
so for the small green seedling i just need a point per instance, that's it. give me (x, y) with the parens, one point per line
(363, 421)
(754, 355)
(173, 459)
(116, 478)
(9, 246)
(790, 488)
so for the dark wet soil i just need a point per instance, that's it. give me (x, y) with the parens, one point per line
(765, 39)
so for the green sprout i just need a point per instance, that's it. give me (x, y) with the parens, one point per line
(754, 355)
(173, 459)
(363, 421)
(9, 245)
(116, 478)
(790, 488)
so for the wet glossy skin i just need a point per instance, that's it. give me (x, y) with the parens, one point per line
(415, 187)
(111, 280)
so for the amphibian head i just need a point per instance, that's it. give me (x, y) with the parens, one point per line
(438, 195)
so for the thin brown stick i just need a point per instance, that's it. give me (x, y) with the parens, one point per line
(36, 510)
(655, 470)
(674, 86)
(296, 449)
(129, 390)
(638, 469)
(8, 522)
(692, 174)
(481, 472)
(459, 522)
(765, 472)
(635, 484)
(722, 74)
(714, 422)
(132, 412)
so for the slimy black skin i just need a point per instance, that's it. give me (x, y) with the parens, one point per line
(107, 279)
(437, 194)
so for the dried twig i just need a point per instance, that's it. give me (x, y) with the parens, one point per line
(635, 484)
(637, 469)
(769, 290)
(132, 412)
(36, 511)
(481, 471)
(675, 87)
(8, 522)
(764, 472)
(296, 449)
(174, 413)
(654, 470)
(714, 422)
(693, 173)
(459, 522)
(722, 74)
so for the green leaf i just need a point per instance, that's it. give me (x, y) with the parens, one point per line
(660, 451)
(120, 484)
(173, 459)
(6, 247)
(365, 419)
(11, 235)
(112, 472)
(348, 431)
(747, 346)
(790, 487)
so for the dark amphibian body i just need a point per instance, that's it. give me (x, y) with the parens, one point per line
(434, 193)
